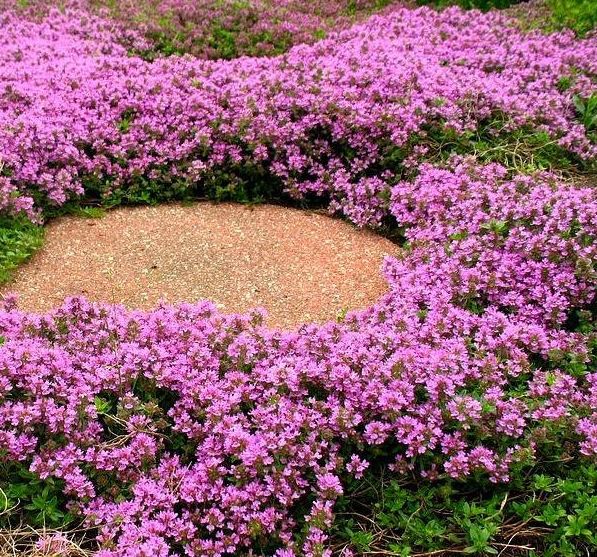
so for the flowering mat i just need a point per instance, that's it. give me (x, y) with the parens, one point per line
(457, 413)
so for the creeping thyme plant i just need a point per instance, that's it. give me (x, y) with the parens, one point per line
(458, 414)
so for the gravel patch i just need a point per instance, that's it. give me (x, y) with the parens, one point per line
(301, 266)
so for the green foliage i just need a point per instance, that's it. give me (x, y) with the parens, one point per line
(26, 498)
(579, 15)
(126, 119)
(19, 239)
(75, 209)
(359, 539)
(142, 190)
(549, 16)
(90, 212)
(353, 7)
(586, 108)
(548, 509)
(243, 182)
(521, 150)
(223, 41)
(472, 4)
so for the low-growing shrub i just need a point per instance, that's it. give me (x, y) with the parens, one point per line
(184, 431)
(580, 15)
(547, 15)
(472, 4)
(457, 414)
(547, 509)
(335, 119)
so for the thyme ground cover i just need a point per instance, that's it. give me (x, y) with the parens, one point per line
(183, 431)
(336, 118)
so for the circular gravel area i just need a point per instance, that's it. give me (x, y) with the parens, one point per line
(299, 265)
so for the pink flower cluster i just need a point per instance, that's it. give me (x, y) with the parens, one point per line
(185, 431)
(524, 245)
(216, 28)
(77, 111)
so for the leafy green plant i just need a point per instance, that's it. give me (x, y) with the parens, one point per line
(90, 212)
(19, 239)
(520, 150)
(579, 15)
(586, 109)
(75, 209)
(472, 4)
(39, 503)
(536, 513)
(549, 15)
(353, 6)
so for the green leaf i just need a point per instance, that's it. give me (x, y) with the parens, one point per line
(543, 483)
(551, 514)
(102, 405)
(577, 526)
(361, 540)
(570, 487)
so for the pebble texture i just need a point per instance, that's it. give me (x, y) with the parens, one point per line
(301, 266)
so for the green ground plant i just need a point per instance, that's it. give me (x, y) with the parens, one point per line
(579, 15)
(19, 239)
(548, 510)
(548, 15)
(586, 109)
(472, 4)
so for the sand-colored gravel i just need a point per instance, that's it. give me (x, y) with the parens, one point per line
(301, 266)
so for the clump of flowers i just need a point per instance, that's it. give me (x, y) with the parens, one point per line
(232, 28)
(523, 245)
(216, 29)
(185, 428)
(186, 431)
(79, 115)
